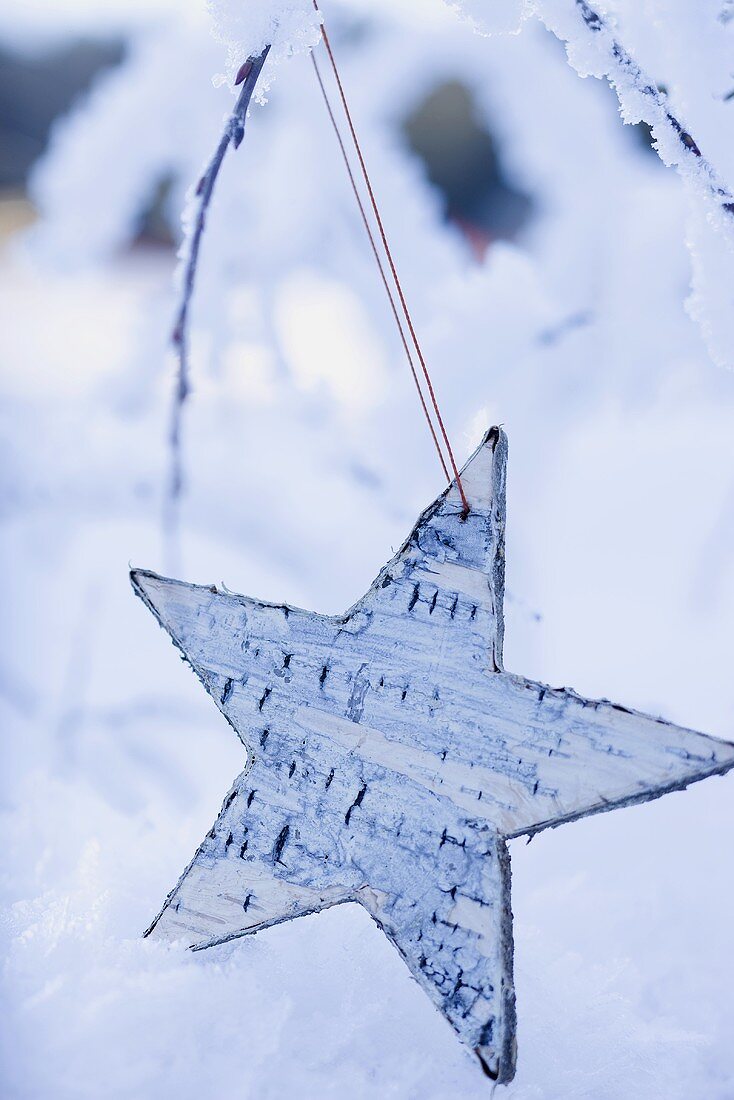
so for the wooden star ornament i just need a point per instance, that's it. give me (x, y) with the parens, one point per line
(390, 758)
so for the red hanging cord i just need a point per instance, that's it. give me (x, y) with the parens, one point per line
(388, 253)
(381, 269)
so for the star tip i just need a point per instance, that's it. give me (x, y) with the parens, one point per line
(495, 435)
(493, 1067)
(137, 582)
(142, 580)
(494, 441)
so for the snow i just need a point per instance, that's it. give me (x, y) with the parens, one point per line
(493, 18)
(306, 464)
(692, 51)
(287, 26)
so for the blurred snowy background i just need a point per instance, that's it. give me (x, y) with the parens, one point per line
(565, 283)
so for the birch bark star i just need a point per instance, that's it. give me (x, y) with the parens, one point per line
(391, 757)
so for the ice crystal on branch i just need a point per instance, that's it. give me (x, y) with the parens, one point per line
(246, 27)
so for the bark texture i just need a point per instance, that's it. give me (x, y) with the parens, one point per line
(390, 757)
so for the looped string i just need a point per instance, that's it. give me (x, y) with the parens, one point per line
(380, 266)
(388, 254)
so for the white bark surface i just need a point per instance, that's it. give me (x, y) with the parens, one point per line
(390, 756)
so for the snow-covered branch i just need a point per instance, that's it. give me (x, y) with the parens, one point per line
(593, 49)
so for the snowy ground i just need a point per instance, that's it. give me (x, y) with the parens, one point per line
(304, 470)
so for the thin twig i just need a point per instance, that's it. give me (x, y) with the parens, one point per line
(623, 70)
(234, 131)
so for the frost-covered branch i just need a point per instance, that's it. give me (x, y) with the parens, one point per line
(576, 23)
(234, 131)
